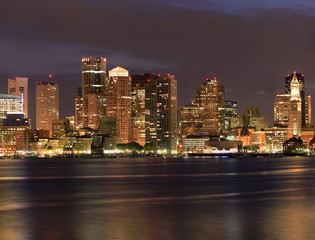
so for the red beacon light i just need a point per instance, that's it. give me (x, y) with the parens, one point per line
(50, 76)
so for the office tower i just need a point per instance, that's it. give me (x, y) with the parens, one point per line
(237, 122)
(253, 119)
(295, 113)
(8, 128)
(230, 112)
(308, 112)
(19, 87)
(138, 83)
(47, 105)
(78, 109)
(9, 103)
(190, 119)
(282, 109)
(93, 91)
(118, 101)
(161, 114)
(210, 96)
(301, 80)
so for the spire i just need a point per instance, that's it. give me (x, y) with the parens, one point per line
(295, 88)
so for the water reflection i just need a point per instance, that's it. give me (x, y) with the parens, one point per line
(158, 199)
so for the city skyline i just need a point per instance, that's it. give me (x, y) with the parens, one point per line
(236, 42)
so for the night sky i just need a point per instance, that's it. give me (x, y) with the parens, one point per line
(249, 45)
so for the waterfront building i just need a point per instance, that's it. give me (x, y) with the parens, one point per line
(293, 145)
(47, 105)
(9, 103)
(194, 143)
(275, 137)
(118, 101)
(19, 87)
(93, 92)
(295, 111)
(60, 128)
(8, 128)
(161, 114)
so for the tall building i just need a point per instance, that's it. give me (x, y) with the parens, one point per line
(306, 121)
(47, 105)
(230, 112)
(190, 119)
(19, 87)
(295, 113)
(161, 114)
(308, 112)
(210, 96)
(138, 83)
(78, 109)
(282, 109)
(118, 102)
(253, 119)
(93, 91)
(9, 103)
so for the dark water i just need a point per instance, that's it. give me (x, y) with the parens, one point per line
(197, 198)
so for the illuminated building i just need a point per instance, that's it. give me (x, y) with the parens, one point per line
(138, 83)
(78, 109)
(9, 103)
(305, 100)
(308, 112)
(276, 136)
(237, 122)
(217, 145)
(307, 134)
(107, 126)
(210, 96)
(60, 128)
(253, 119)
(78, 145)
(93, 92)
(47, 105)
(293, 145)
(190, 119)
(282, 109)
(295, 111)
(19, 87)
(230, 112)
(8, 128)
(259, 138)
(118, 101)
(25, 139)
(161, 114)
(195, 143)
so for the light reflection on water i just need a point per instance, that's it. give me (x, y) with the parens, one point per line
(158, 199)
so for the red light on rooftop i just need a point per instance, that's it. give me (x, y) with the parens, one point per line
(149, 80)
(288, 75)
(215, 78)
(50, 76)
(302, 75)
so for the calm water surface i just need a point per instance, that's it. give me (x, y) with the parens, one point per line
(158, 199)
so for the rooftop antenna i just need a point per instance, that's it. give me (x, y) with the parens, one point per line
(50, 77)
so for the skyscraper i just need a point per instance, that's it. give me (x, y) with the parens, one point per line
(118, 102)
(295, 114)
(93, 91)
(210, 96)
(138, 83)
(161, 114)
(282, 109)
(47, 105)
(19, 87)
(229, 113)
(253, 119)
(305, 109)
(78, 109)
